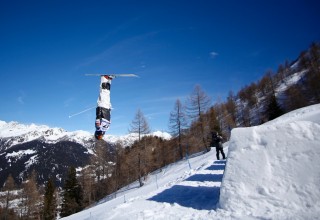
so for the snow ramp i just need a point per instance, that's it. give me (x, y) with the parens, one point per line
(273, 170)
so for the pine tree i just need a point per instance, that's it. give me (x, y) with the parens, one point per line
(50, 202)
(72, 196)
(273, 108)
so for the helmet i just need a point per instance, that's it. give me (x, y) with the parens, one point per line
(98, 135)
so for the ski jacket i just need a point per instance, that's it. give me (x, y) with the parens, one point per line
(104, 94)
(216, 139)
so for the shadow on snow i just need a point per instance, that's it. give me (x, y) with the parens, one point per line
(200, 197)
(206, 177)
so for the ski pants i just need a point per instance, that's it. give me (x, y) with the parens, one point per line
(219, 149)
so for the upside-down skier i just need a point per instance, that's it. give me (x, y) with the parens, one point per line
(103, 110)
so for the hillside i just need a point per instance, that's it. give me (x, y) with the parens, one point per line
(272, 172)
(48, 151)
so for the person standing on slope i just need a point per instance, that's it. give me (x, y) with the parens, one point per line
(102, 122)
(217, 142)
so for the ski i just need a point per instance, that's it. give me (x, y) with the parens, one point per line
(114, 75)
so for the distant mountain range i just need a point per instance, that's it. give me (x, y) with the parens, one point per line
(48, 151)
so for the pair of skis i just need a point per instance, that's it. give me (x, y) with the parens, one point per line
(113, 75)
(98, 74)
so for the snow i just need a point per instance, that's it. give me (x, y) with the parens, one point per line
(16, 133)
(290, 80)
(129, 139)
(21, 133)
(20, 153)
(272, 172)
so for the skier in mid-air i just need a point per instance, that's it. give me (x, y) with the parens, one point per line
(103, 109)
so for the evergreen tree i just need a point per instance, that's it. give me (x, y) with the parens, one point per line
(49, 209)
(273, 108)
(72, 196)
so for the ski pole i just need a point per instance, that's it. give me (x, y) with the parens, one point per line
(82, 111)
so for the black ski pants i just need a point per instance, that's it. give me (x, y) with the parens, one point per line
(219, 149)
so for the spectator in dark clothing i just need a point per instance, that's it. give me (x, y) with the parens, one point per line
(217, 142)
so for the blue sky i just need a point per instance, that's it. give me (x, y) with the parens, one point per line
(46, 47)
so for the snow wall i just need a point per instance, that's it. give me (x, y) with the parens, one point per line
(273, 170)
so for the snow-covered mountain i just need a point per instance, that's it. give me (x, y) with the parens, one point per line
(272, 171)
(129, 139)
(49, 151)
(13, 133)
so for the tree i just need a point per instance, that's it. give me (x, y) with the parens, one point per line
(102, 165)
(231, 107)
(87, 181)
(9, 186)
(72, 195)
(273, 108)
(177, 123)
(140, 126)
(32, 198)
(50, 202)
(313, 76)
(199, 103)
(294, 98)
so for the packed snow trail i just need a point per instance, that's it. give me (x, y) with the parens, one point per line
(174, 192)
(199, 191)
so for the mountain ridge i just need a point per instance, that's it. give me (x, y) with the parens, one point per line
(24, 148)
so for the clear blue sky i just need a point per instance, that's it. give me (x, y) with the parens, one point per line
(46, 47)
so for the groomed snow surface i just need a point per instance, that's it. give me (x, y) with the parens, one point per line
(272, 172)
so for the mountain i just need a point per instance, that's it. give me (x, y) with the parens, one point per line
(49, 151)
(14, 133)
(272, 171)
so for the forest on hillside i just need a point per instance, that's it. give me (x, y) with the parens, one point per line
(294, 85)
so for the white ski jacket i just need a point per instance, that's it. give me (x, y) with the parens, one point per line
(104, 95)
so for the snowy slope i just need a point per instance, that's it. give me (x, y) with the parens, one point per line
(272, 172)
(183, 189)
